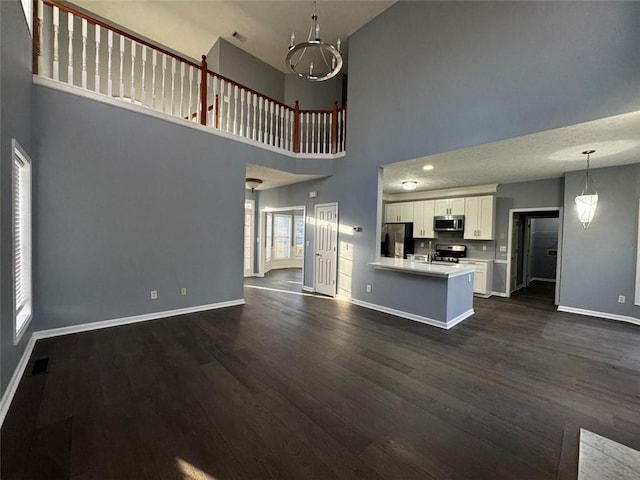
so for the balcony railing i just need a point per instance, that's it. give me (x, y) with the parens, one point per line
(74, 48)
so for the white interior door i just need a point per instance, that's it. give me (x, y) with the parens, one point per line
(249, 216)
(326, 251)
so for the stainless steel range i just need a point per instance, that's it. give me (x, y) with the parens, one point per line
(449, 253)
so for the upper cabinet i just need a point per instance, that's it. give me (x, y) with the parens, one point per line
(399, 212)
(423, 212)
(449, 206)
(479, 217)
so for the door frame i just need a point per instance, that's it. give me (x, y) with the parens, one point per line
(262, 227)
(560, 211)
(315, 217)
(252, 243)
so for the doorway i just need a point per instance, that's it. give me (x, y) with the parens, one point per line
(534, 252)
(249, 235)
(281, 241)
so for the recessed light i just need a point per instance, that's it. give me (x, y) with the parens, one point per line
(428, 167)
(409, 185)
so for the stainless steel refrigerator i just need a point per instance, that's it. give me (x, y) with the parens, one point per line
(397, 240)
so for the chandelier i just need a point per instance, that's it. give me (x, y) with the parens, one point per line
(587, 197)
(314, 59)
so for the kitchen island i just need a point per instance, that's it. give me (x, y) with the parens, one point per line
(438, 295)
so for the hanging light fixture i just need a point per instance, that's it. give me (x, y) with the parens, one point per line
(252, 183)
(587, 197)
(314, 59)
(409, 185)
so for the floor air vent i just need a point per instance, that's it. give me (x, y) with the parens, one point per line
(40, 366)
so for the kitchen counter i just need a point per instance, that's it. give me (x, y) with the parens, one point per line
(421, 268)
(435, 294)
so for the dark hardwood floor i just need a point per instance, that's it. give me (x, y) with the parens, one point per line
(298, 386)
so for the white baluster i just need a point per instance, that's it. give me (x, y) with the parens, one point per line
(154, 63)
(121, 67)
(197, 108)
(182, 64)
(242, 112)
(314, 145)
(217, 84)
(173, 84)
(228, 102)
(97, 76)
(143, 94)
(279, 125)
(235, 109)
(109, 69)
(211, 99)
(56, 43)
(189, 111)
(70, 63)
(164, 75)
(260, 132)
(323, 132)
(247, 132)
(271, 129)
(40, 30)
(307, 137)
(84, 53)
(253, 117)
(134, 47)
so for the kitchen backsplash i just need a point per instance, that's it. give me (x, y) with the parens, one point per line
(474, 247)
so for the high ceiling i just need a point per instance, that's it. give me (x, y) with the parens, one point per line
(192, 27)
(540, 155)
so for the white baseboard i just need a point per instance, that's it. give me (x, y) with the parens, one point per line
(593, 313)
(86, 327)
(499, 294)
(540, 279)
(10, 391)
(413, 316)
(12, 387)
(305, 288)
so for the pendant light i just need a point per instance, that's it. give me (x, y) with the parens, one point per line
(587, 197)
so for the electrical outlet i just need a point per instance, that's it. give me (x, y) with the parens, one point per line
(484, 248)
(183, 291)
(421, 244)
(308, 243)
(622, 299)
(503, 249)
(368, 288)
(154, 294)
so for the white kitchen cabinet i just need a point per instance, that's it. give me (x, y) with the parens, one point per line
(449, 206)
(482, 277)
(423, 212)
(479, 217)
(399, 212)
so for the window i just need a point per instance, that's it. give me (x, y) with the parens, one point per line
(281, 236)
(21, 241)
(269, 235)
(299, 236)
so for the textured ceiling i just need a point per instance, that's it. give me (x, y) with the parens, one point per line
(193, 26)
(546, 154)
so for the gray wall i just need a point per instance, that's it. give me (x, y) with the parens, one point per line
(15, 115)
(241, 67)
(599, 263)
(312, 95)
(128, 203)
(467, 73)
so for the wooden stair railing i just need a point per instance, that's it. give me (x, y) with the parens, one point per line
(152, 70)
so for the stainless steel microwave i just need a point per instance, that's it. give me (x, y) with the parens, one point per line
(448, 223)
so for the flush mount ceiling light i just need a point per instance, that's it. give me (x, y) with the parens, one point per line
(252, 183)
(409, 185)
(428, 167)
(587, 197)
(314, 59)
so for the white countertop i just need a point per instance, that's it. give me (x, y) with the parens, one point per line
(421, 268)
(485, 260)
